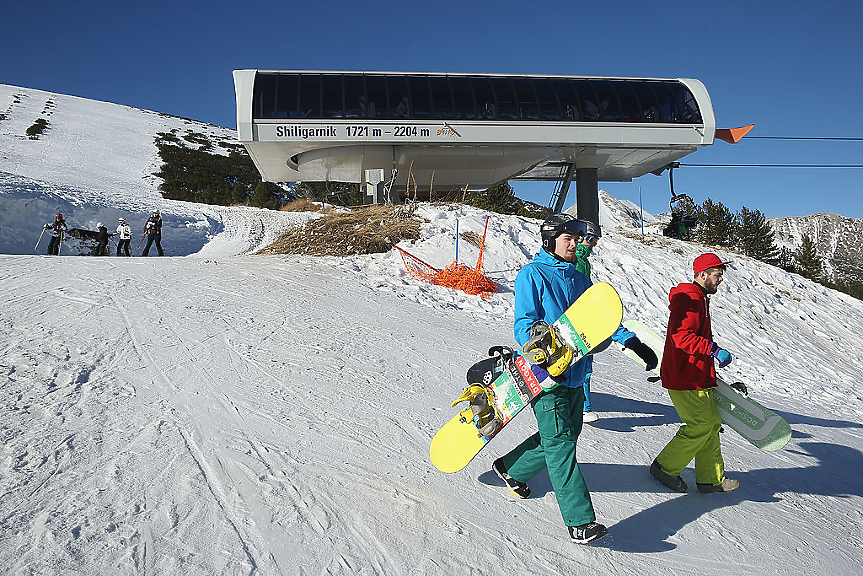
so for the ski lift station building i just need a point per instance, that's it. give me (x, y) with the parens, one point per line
(455, 131)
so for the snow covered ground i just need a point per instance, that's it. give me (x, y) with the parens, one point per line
(95, 163)
(235, 414)
(231, 414)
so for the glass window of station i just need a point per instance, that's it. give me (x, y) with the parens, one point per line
(400, 97)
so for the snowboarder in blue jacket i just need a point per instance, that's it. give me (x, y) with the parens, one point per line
(544, 289)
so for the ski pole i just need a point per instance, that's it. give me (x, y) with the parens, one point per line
(39, 240)
(456, 240)
(141, 241)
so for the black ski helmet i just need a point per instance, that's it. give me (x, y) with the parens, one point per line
(591, 228)
(558, 224)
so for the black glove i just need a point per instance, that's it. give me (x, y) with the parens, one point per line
(740, 387)
(643, 351)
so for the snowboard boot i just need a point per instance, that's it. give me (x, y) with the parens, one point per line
(589, 416)
(587, 532)
(727, 485)
(520, 489)
(676, 483)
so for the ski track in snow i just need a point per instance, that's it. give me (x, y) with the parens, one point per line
(272, 415)
(232, 414)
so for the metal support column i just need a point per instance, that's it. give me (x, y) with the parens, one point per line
(587, 194)
(372, 185)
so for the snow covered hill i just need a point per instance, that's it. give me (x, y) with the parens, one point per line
(95, 163)
(239, 414)
(235, 414)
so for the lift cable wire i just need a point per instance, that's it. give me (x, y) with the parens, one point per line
(802, 138)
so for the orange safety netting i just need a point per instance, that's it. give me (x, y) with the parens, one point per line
(456, 275)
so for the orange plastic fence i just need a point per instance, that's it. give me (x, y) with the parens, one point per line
(456, 275)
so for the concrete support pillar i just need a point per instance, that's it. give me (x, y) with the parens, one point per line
(587, 194)
(373, 184)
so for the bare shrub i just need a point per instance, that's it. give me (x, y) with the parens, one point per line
(366, 230)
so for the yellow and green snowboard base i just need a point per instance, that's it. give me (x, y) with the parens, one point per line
(591, 320)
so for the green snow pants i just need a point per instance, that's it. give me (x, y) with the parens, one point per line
(559, 419)
(698, 437)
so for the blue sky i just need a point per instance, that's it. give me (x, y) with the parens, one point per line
(791, 68)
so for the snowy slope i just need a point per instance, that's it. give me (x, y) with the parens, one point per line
(233, 414)
(273, 414)
(95, 163)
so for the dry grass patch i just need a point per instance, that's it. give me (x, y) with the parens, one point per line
(366, 230)
(472, 237)
(302, 205)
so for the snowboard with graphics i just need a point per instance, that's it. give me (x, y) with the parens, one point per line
(496, 399)
(759, 425)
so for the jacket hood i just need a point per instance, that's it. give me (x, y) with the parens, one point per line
(691, 289)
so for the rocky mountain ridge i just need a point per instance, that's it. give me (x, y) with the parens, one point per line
(838, 240)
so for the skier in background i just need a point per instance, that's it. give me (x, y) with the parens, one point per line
(688, 373)
(153, 229)
(544, 289)
(58, 228)
(631, 341)
(125, 232)
(102, 248)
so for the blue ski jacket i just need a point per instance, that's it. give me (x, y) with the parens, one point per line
(544, 289)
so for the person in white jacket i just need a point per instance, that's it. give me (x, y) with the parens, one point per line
(125, 232)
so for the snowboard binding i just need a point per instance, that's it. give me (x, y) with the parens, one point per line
(503, 356)
(545, 348)
(480, 410)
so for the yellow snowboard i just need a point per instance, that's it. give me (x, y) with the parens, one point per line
(591, 320)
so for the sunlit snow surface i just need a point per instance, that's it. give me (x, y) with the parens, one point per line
(228, 413)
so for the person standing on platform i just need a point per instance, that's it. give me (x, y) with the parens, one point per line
(153, 229)
(125, 232)
(58, 229)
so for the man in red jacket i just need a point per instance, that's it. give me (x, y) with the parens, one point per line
(688, 373)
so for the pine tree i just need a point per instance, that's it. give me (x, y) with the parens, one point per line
(715, 224)
(264, 196)
(339, 193)
(499, 198)
(808, 261)
(239, 194)
(755, 236)
(786, 260)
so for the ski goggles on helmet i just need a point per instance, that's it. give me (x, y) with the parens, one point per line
(592, 230)
(575, 227)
